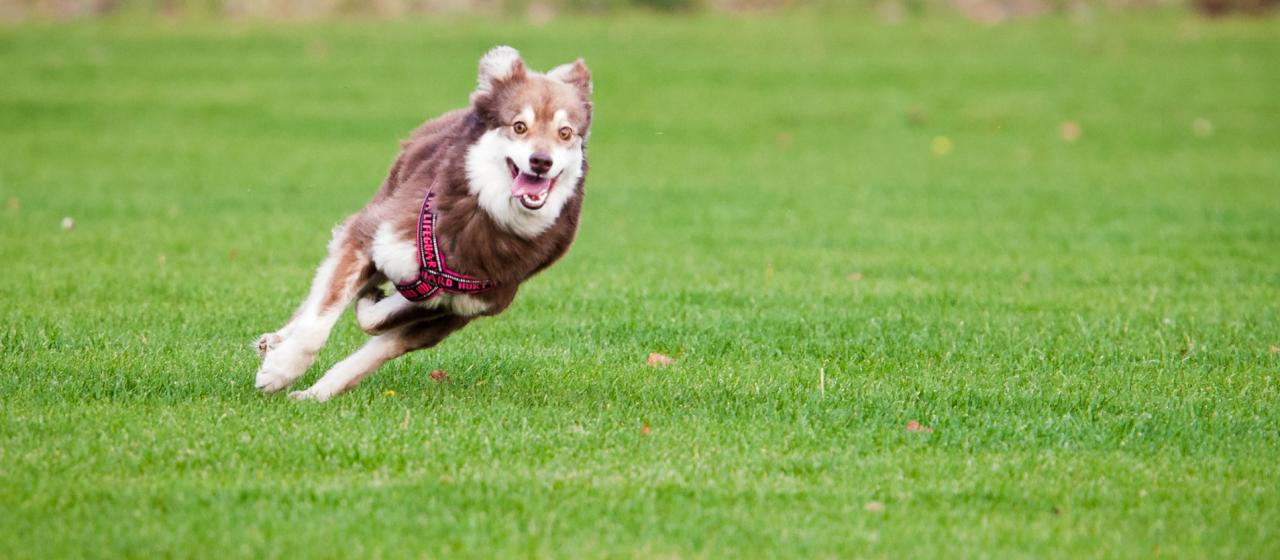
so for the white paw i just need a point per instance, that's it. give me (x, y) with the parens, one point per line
(274, 376)
(302, 396)
(267, 343)
(282, 367)
(311, 394)
(270, 382)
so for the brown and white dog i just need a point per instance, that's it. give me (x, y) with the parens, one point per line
(479, 200)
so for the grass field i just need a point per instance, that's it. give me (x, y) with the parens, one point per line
(1090, 328)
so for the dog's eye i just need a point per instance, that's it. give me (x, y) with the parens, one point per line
(520, 128)
(566, 133)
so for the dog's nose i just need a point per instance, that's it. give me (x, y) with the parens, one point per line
(540, 163)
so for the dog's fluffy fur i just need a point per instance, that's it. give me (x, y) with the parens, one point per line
(490, 166)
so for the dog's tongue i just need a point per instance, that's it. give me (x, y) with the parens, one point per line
(526, 184)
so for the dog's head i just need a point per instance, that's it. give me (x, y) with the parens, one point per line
(528, 162)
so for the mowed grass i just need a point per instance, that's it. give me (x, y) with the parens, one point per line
(1091, 329)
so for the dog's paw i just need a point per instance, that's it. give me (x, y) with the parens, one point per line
(271, 378)
(266, 343)
(282, 366)
(302, 396)
(310, 395)
(270, 383)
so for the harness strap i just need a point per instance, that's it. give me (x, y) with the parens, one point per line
(434, 275)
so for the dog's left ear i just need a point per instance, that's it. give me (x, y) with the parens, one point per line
(575, 74)
(498, 66)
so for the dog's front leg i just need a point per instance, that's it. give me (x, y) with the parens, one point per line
(295, 346)
(376, 316)
(379, 350)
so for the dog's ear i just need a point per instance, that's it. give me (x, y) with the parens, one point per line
(575, 74)
(497, 67)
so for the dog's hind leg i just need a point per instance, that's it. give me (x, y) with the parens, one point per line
(379, 350)
(289, 352)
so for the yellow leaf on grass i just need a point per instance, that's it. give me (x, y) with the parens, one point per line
(941, 146)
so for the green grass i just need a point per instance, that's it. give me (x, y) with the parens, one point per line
(1089, 328)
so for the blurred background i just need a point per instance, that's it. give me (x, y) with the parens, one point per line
(985, 11)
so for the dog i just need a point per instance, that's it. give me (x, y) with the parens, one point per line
(479, 200)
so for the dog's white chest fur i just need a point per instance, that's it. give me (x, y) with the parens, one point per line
(395, 256)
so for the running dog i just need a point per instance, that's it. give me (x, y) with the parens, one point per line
(479, 200)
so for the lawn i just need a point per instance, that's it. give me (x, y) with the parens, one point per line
(1054, 245)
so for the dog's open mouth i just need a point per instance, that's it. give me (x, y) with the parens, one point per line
(532, 190)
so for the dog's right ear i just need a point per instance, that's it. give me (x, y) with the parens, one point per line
(497, 67)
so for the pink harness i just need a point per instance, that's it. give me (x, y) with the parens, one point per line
(433, 275)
